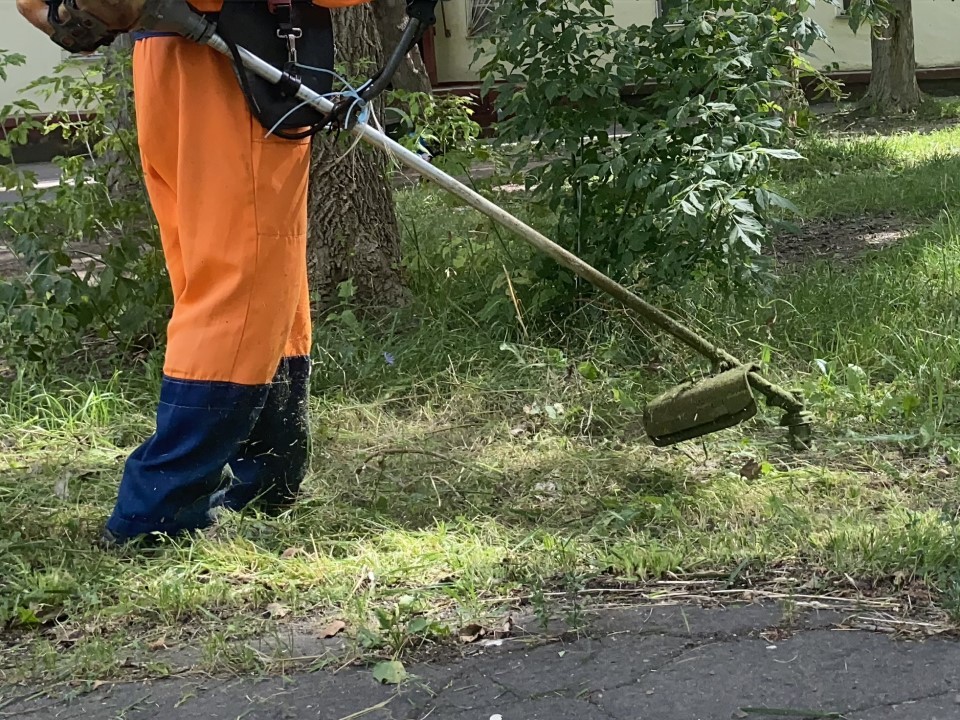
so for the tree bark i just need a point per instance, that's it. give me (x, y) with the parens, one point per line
(354, 233)
(391, 16)
(893, 78)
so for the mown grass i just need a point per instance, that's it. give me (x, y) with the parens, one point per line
(913, 174)
(466, 461)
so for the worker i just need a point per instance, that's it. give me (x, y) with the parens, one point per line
(231, 204)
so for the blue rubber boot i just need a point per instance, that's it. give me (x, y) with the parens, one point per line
(269, 468)
(169, 481)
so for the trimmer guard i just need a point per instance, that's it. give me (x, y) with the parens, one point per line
(699, 408)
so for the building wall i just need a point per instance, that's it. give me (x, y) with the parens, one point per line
(935, 22)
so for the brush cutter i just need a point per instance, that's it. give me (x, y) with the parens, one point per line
(692, 410)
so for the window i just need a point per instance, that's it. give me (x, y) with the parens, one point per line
(480, 19)
(666, 8)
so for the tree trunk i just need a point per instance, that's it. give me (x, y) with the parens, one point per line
(391, 16)
(354, 233)
(893, 78)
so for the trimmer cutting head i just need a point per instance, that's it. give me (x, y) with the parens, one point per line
(699, 408)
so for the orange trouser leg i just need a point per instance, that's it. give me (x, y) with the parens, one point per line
(300, 337)
(232, 209)
(163, 198)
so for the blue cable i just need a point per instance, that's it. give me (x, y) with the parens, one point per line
(353, 92)
(362, 118)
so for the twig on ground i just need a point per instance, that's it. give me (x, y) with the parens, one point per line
(787, 712)
(374, 708)
(516, 302)
(30, 711)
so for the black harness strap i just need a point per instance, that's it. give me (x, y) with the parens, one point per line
(290, 35)
(287, 29)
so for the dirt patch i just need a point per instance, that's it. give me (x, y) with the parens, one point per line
(842, 239)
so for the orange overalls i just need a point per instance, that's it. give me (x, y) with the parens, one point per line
(231, 205)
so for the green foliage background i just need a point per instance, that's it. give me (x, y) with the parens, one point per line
(662, 187)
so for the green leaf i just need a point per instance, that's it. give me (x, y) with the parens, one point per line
(766, 199)
(588, 170)
(26, 616)
(735, 162)
(782, 153)
(588, 371)
(418, 626)
(368, 638)
(390, 672)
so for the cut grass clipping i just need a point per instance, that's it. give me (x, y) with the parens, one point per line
(458, 473)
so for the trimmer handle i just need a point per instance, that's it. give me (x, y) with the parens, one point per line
(176, 16)
(422, 14)
(423, 10)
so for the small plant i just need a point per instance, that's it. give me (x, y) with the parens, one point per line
(540, 603)
(403, 623)
(789, 612)
(951, 599)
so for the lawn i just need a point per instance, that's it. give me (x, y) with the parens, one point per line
(467, 468)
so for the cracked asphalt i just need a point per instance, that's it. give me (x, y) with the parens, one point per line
(653, 663)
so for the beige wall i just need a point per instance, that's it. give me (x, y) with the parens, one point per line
(936, 24)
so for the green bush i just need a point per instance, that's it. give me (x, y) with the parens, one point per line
(88, 252)
(441, 124)
(659, 188)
